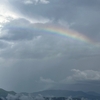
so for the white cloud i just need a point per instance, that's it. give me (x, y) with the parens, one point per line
(86, 75)
(36, 1)
(44, 1)
(6, 14)
(46, 80)
(28, 2)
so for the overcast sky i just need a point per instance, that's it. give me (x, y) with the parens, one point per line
(33, 60)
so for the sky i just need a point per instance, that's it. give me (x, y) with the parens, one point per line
(50, 44)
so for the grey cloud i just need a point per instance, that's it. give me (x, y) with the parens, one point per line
(26, 42)
(44, 54)
(3, 44)
(32, 60)
(18, 29)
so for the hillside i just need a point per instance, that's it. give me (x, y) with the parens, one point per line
(4, 93)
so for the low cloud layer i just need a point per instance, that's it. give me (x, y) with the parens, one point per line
(24, 97)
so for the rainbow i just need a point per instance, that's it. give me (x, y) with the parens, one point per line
(58, 30)
(66, 33)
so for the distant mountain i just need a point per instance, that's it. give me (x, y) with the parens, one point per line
(4, 93)
(67, 93)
